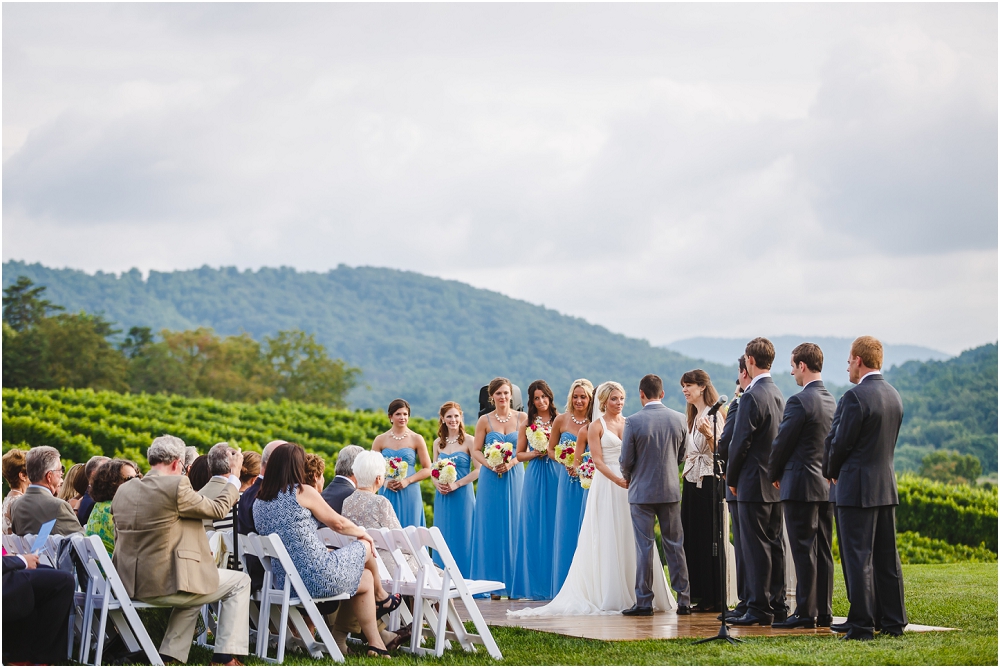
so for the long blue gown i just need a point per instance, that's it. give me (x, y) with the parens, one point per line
(533, 560)
(408, 505)
(494, 524)
(453, 515)
(571, 502)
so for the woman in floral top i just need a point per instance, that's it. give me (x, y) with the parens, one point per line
(109, 478)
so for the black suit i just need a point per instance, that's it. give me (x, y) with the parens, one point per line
(757, 421)
(339, 489)
(244, 525)
(36, 605)
(725, 439)
(860, 459)
(797, 463)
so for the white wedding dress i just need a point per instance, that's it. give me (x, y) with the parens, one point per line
(601, 579)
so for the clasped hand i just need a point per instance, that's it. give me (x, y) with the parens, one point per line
(446, 487)
(397, 485)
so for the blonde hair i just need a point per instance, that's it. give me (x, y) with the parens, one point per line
(588, 387)
(604, 391)
(869, 349)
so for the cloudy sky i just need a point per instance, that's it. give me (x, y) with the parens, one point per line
(664, 170)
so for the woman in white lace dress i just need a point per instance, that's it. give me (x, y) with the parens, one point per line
(601, 579)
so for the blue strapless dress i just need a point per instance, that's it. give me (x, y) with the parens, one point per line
(533, 557)
(571, 502)
(453, 515)
(494, 524)
(408, 505)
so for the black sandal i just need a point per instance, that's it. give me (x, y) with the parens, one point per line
(390, 603)
(378, 652)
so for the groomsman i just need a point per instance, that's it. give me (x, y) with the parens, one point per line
(860, 462)
(756, 426)
(796, 470)
(725, 439)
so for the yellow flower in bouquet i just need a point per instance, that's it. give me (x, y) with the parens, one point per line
(395, 468)
(586, 470)
(444, 471)
(538, 438)
(565, 451)
(498, 453)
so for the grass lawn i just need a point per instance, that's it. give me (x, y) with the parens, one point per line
(962, 596)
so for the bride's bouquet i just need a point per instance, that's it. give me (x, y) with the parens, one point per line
(395, 468)
(565, 450)
(586, 470)
(538, 437)
(498, 453)
(444, 471)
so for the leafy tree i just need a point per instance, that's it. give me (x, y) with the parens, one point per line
(951, 467)
(136, 341)
(23, 305)
(304, 372)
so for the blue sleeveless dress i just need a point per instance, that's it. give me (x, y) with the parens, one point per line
(494, 524)
(571, 502)
(408, 505)
(453, 515)
(533, 556)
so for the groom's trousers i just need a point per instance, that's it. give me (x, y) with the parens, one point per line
(874, 572)
(644, 516)
(741, 565)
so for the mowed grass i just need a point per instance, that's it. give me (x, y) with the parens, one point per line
(962, 596)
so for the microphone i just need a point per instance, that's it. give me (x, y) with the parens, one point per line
(718, 404)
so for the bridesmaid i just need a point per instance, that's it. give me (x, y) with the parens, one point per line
(536, 523)
(570, 496)
(454, 503)
(498, 499)
(399, 441)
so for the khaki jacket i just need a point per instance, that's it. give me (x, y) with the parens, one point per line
(212, 490)
(36, 507)
(160, 545)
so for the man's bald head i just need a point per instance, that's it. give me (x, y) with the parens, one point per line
(268, 449)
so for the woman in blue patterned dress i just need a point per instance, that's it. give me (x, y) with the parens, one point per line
(455, 502)
(498, 499)
(288, 505)
(571, 498)
(536, 522)
(399, 441)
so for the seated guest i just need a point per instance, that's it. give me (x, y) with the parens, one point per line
(163, 558)
(218, 466)
(86, 501)
(199, 473)
(17, 479)
(39, 504)
(315, 470)
(250, 470)
(36, 605)
(244, 516)
(288, 505)
(109, 478)
(71, 491)
(190, 454)
(343, 483)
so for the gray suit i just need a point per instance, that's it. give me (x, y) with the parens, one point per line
(36, 507)
(653, 446)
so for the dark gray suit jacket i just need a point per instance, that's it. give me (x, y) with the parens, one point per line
(653, 448)
(726, 439)
(757, 422)
(862, 445)
(339, 489)
(797, 452)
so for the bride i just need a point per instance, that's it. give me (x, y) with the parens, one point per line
(601, 579)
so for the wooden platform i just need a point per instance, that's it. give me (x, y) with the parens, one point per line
(661, 626)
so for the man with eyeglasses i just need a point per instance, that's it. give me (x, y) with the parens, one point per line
(39, 504)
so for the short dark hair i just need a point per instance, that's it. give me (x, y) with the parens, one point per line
(742, 361)
(394, 406)
(651, 386)
(199, 473)
(286, 469)
(809, 353)
(109, 478)
(762, 352)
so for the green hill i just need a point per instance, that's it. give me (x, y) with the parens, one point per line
(425, 339)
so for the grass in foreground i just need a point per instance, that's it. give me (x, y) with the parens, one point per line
(962, 596)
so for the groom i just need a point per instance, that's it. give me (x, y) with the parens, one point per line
(652, 450)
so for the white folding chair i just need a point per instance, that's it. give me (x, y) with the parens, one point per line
(13, 544)
(443, 587)
(269, 549)
(105, 595)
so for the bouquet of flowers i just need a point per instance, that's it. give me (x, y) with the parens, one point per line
(586, 471)
(498, 453)
(538, 437)
(565, 451)
(395, 468)
(444, 471)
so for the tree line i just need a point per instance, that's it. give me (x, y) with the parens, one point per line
(44, 347)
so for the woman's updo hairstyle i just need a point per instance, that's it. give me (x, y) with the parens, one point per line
(495, 386)
(604, 393)
(396, 404)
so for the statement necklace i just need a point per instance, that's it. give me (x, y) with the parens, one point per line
(451, 441)
(399, 438)
(575, 421)
(542, 423)
(504, 420)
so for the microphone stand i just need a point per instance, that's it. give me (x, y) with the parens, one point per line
(718, 540)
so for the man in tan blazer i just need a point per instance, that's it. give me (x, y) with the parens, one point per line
(163, 558)
(218, 466)
(39, 503)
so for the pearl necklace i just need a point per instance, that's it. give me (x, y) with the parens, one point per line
(451, 441)
(542, 423)
(503, 420)
(575, 421)
(399, 438)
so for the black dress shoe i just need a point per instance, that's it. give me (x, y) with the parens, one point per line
(842, 627)
(780, 615)
(730, 614)
(794, 622)
(854, 634)
(750, 619)
(637, 611)
(895, 633)
(683, 610)
(824, 621)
